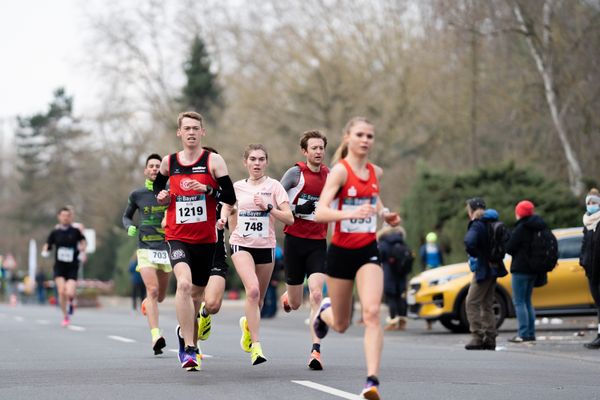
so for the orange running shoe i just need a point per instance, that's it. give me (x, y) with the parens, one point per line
(314, 362)
(143, 307)
(285, 303)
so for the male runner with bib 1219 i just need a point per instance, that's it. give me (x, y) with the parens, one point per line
(198, 180)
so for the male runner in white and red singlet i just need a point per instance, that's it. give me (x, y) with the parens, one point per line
(198, 179)
(305, 242)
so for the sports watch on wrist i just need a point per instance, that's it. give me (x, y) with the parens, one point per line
(269, 208)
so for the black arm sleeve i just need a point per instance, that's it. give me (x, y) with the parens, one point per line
(225, 192)
(129, 211)
(160, 183)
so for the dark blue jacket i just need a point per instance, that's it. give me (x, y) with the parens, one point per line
(477, 244)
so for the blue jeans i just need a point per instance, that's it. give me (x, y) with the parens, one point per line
(522, 287)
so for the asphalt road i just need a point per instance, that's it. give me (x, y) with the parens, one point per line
(106, 354)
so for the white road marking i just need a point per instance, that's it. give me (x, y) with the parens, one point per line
(203, 355)
(121, 339)
(19, 319)
(76, 328)
(42, 321)
(542, 338)
(330, 390)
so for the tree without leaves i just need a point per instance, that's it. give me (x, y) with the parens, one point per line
(539, 38)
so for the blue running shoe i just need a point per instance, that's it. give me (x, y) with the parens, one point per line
(319, 325)
(181, 343)
(189, 357)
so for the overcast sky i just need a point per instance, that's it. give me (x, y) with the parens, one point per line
(40, 44)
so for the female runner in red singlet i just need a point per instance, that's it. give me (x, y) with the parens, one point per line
(353, 188)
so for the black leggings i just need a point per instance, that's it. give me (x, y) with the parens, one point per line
(396, 297)
(595, 291)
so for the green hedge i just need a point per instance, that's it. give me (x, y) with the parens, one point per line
(436, 202)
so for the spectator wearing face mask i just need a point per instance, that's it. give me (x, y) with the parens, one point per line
(590, 253)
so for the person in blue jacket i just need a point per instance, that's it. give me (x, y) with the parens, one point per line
(480, 297)
(430, 252)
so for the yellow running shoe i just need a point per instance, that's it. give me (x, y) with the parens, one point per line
(257, 354)
(246, 340)
(203, 325)
(198, 360)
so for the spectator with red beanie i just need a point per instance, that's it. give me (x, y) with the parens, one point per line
(522, 275)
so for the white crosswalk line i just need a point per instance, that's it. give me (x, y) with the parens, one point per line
(121, 339)
(76, 328)
(327, 389)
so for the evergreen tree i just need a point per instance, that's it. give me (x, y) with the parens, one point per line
(201, 92)
(48, 153)
(437, 202)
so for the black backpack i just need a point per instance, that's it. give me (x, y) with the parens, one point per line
(543, 251)
(401, 258)
(498, 235)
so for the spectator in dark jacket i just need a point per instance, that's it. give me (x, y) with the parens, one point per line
(590, 253)
(397, 260)
(523, 276)
(480, 297)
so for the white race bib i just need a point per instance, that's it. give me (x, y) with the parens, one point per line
(358, 225)
(158, 256)
(302, 200)
(253, 224)
(190, 209)
(65, 254)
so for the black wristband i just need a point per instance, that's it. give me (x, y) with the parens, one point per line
(269, 208)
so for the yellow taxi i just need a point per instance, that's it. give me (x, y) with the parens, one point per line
(439, 294)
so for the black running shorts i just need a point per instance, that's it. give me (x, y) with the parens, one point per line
(344, 263)
(67, 271)
(260, 256)
(303, 257)
(220, 266)
(198, 256)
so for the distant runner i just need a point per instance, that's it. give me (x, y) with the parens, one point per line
(68, 241)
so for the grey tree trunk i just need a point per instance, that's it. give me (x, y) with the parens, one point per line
(541, 53)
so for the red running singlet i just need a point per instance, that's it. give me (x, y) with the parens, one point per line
(309, 188)
(356, 232)
(190, 216)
